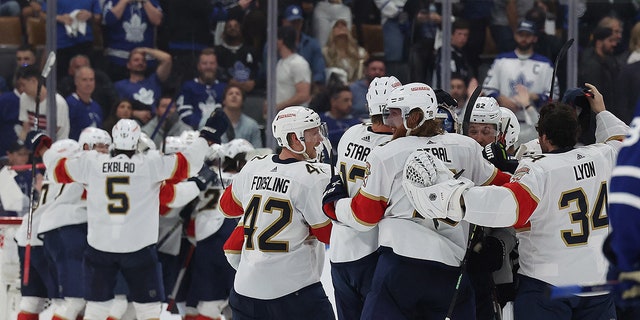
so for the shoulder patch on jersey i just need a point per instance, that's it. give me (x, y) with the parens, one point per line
(366, 138)
(519, 174)
(579, 156)
(367, 171)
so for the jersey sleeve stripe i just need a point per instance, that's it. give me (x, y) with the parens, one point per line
(628, 171)
(617, 138)
(167, 193)
(624, 198)
(323, 233)
(235, 241)
(60, 173)
(498, 178)
(181, 169)
(368, 209)
(229, 205)
(527, 203)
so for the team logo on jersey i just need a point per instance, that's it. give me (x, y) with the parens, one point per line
(134, 29)
(519, 174)
(367, 171)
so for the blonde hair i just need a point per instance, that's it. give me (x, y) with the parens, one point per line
(354, 56)
(634, 39)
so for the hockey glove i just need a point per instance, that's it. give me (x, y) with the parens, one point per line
(439, 201)
(215, 127)
(487, 255)
(334, 191)
(36, 140)
(204, 178)
(495, 152)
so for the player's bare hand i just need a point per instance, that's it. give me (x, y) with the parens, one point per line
(596, 101)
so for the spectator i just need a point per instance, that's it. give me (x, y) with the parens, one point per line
(200, 96)
(459, 60)
(104, 95)
(172, 126)
(9, 8)
(459, 92)
(525, 67)
(9, 123)
(139, 87)
(478, 14)
(83, 111)
(339, 117)
(74, 32)
(244, 127)
(28, 78)
(236, 59)
(325, 15)
(393, 20)
(25, 55)
(308, 47)
(293, 75)
(424, 21)
(141, 112)
(505, 16)
(548, 45)
(129, 24)
(342, 51)
(30, 8)
(123, 109)
(626, 93)
(598, 65)
(373, 67)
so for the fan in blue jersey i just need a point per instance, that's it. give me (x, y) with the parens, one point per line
(203, 94)
(83, 111)
(140, 87)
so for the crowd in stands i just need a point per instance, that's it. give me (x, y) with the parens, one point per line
(140, 59)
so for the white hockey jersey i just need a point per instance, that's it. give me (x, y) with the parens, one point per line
(123, 193)
(209, 219)
(382, 200)
(348, 244)
(558, 203)
(281, 201)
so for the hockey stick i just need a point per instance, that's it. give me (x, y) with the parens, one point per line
(176, 287)
(463, 266)
(468, 109)
(172, 104)
(327, 145)
(51, 60)
(561, 54)
(569, 291)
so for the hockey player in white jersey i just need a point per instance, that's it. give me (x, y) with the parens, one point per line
(353, 253)
(419, 259)
(279, 195)
(212, 276)
(559, 201)
(123, 201)
(63, 226)
(43, 282)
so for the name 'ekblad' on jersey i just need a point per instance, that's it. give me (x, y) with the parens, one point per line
(118, 167)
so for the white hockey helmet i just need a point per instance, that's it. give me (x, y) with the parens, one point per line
(126, 134)
(236, 147)
(145, 143)
(189, 136)
(173, 145)
(92, 136)
(378, 91)
(486, 110)
(296, 120)
(64, 148)
(510, 126)
(411, 96)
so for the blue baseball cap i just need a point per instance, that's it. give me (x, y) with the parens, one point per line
(293, 12)
(527, 26)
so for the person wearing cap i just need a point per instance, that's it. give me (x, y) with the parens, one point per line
(522, 67)
(598, 65)
(306, 46)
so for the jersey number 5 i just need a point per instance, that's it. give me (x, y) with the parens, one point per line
(596, 219)
(265, 242)
(120, 204)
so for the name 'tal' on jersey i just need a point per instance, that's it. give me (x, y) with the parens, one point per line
(355, 145)
(281, 201)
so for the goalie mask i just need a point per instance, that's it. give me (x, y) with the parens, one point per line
(509, 126)
(126, 134)
(94, 137)
(413, 96)
(378, 91)
(449, 119)
(294, 120)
